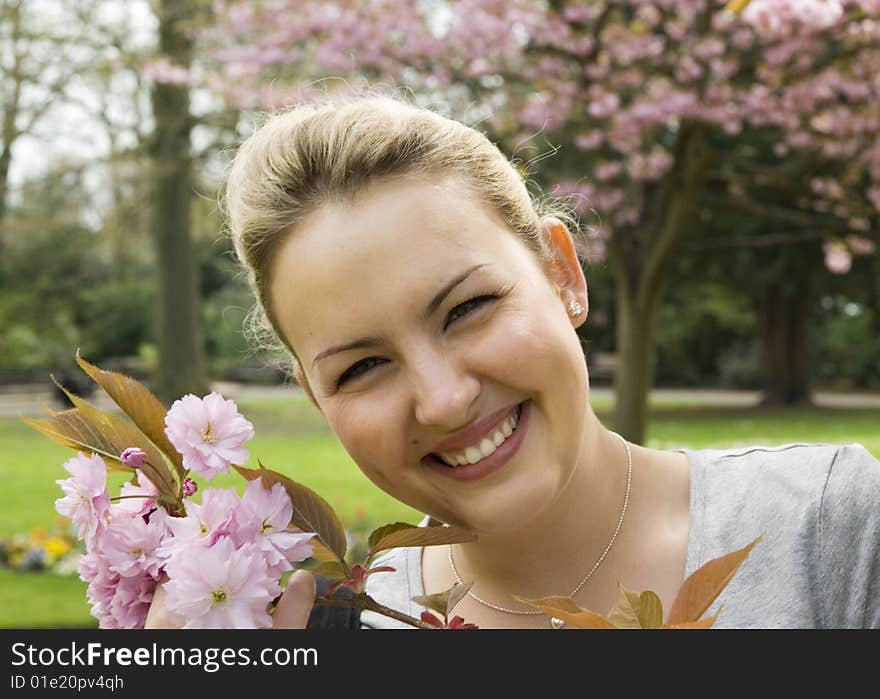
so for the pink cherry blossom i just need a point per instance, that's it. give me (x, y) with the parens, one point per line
(131, 602)
(129, 544)
(220, 515)
(95, 570)
(209, 432)
(137, 499)
(220, 587)
(874, 198)
(86, 501)
(165, 72)
(116, 602)
(190, 487)
(861, 245)
(837, 258)
(133, 457)
(273, 509)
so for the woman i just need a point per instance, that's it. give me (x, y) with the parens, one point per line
(430, 309)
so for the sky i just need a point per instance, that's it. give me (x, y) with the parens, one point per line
(68, 131)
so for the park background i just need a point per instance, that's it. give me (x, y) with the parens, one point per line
(722, 160)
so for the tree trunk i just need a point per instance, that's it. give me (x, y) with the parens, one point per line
(5, 161)
(782, 319)
(640, 260)
(181, 365)
(635, 374)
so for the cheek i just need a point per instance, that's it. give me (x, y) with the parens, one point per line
(532, 349)
(365, 428)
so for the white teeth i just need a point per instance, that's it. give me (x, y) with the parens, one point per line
(473, 454)
(487, 447)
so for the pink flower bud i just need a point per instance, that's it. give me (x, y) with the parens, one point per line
(189, 487)
(133, 457)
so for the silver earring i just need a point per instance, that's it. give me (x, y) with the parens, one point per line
(575, 308)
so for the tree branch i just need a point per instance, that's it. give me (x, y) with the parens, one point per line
(364, 601)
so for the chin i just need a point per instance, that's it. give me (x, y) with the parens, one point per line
(512, 509)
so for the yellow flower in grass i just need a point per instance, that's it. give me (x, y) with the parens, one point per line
(55, 547)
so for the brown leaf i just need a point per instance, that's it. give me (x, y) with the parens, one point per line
(70, 429)
(311, 512)
(379, 532)
(566, 609)
(444, 602)
(136, 401)
(624, 613)
(322, 553)
(650, 610)
(122, 434)
(330, 569)
(411, 535)
(703, 586)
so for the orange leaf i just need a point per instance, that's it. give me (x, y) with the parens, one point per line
(136, 401)
(704, 585)
(566, 609)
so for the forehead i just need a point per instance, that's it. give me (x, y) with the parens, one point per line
(392, 245)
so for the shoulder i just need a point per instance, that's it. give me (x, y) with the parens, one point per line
(849, 539)
(815, 505)
(853, 481)
(741, 493)
(746, 481)
(828, 476)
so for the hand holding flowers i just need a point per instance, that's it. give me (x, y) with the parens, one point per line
(223, 559)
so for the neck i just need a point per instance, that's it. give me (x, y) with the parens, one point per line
(550, 553)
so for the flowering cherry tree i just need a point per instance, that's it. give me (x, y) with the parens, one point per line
(628, 96)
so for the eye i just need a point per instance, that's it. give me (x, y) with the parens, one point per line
(364, 366)
(468, 306)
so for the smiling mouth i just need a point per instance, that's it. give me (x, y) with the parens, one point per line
(477, 452)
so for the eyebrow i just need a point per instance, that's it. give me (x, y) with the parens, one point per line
(363, 342)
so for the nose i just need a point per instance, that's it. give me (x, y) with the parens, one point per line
(443, 392)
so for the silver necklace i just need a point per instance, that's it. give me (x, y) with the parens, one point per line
(554, 622)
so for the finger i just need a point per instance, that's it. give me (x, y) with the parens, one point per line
(157, 615)
(295, 605)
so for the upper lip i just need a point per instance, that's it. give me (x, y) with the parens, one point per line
(475, 432)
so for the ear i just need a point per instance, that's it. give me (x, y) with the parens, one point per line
(564, 267)
(301, 379)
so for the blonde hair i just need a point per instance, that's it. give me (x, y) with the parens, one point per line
(330, 151)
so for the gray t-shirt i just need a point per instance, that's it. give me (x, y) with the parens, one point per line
(817, 566)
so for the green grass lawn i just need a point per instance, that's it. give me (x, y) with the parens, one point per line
(292, 438)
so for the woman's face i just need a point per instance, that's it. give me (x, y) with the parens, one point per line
(425, 328)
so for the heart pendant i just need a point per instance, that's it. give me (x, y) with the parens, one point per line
(556, 623)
